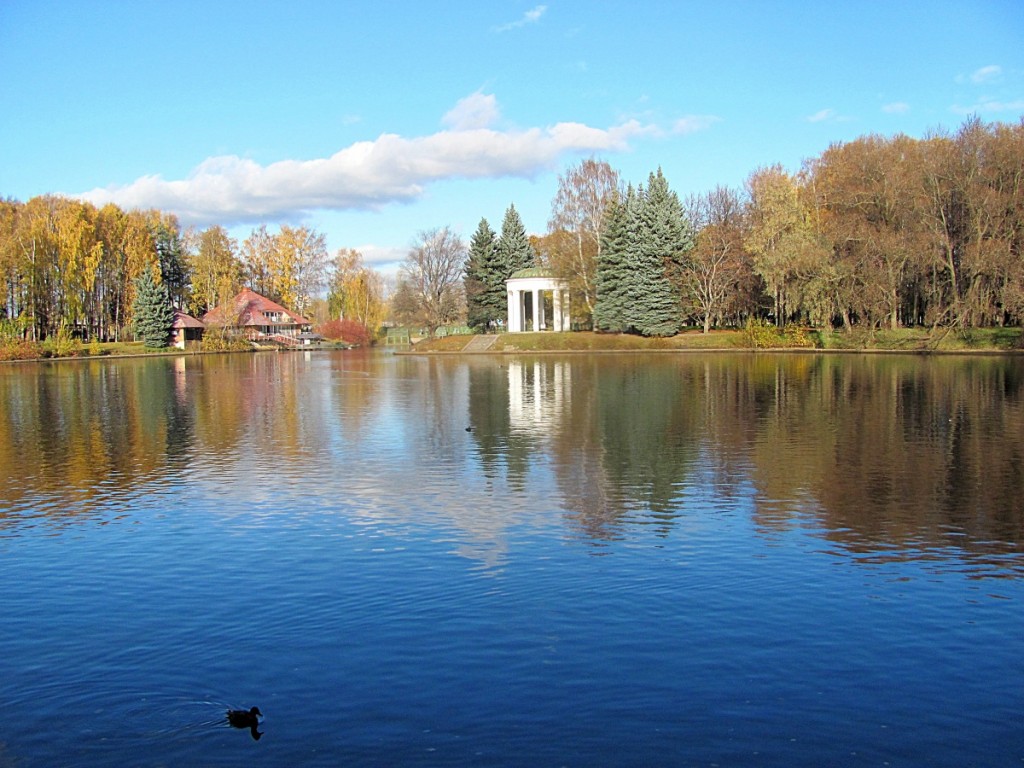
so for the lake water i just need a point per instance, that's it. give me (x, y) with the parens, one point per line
(620, 560)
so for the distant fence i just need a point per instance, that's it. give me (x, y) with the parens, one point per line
(398, 337)
(401, 336)
(450, 330)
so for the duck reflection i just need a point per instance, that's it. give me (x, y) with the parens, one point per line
(241, 718)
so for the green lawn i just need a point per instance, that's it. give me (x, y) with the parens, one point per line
(901, 340)
(904, 339)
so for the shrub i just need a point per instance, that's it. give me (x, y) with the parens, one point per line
(63, 344)
(796, 336)
(20, 349)
(760, 334)
(222, 342)
(13, 330)
(349, 331)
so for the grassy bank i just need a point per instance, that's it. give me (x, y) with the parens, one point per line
(29, 351)
(918, 340)
(901, 340)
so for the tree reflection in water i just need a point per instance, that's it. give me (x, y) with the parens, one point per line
(883, 456)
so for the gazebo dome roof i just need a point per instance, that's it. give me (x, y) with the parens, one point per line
(533, 272)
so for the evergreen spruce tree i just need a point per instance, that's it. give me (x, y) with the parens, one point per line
(173, 273)
(484, 283)
(514, 251)
(664, 239)
(634, 284)
(611, 278)
(152, 310)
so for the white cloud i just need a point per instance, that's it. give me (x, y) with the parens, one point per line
(986, 74)
(478, 110)
(367, 175)
(981, 75)
(532, 16)
(828, 115)
(896, 108)
(988, 106)
(694, 123)
(821, 116)
(383, 258)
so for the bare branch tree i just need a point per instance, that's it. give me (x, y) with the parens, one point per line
(433, 272)
(718, 264)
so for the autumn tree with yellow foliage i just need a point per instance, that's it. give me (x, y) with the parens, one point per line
(356, 292)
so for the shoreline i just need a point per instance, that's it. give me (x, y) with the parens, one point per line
(902, 342)
(167, 353)
(597, 344)
(712, 350)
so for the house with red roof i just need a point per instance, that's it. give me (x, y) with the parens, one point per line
(259, 319)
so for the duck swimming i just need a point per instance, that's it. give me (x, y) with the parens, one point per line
(240, 718)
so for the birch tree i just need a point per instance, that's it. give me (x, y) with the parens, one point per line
(584, 193)
(258, 256)
(356, 292)
(779, 237)
(298, 266)
(216, 271)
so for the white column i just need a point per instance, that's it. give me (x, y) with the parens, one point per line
(516, 310)
(556, 307)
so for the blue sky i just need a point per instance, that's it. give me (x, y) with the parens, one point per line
(373, 121)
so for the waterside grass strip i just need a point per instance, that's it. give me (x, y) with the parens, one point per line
(903, 341)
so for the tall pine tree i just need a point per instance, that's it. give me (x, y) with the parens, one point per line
(484, 282)
(665, 237)
(152, 310)
(174, 273)
(645, 239)
(612, 277)
(514, 251)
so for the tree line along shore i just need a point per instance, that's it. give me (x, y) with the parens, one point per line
(879, 235)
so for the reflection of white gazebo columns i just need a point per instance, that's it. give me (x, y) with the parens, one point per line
(537, 395)
(537, 281)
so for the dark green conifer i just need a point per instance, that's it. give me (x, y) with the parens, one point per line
(484, 281)
(514, 251)
(174, 274)
(611, 278)
(152, 311)
(664, 237)
(645, 238)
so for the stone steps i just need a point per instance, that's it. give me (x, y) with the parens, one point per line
(480, 343)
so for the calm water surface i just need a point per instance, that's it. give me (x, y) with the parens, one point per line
(734, 560)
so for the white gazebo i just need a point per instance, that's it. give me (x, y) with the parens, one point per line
(529, 286)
